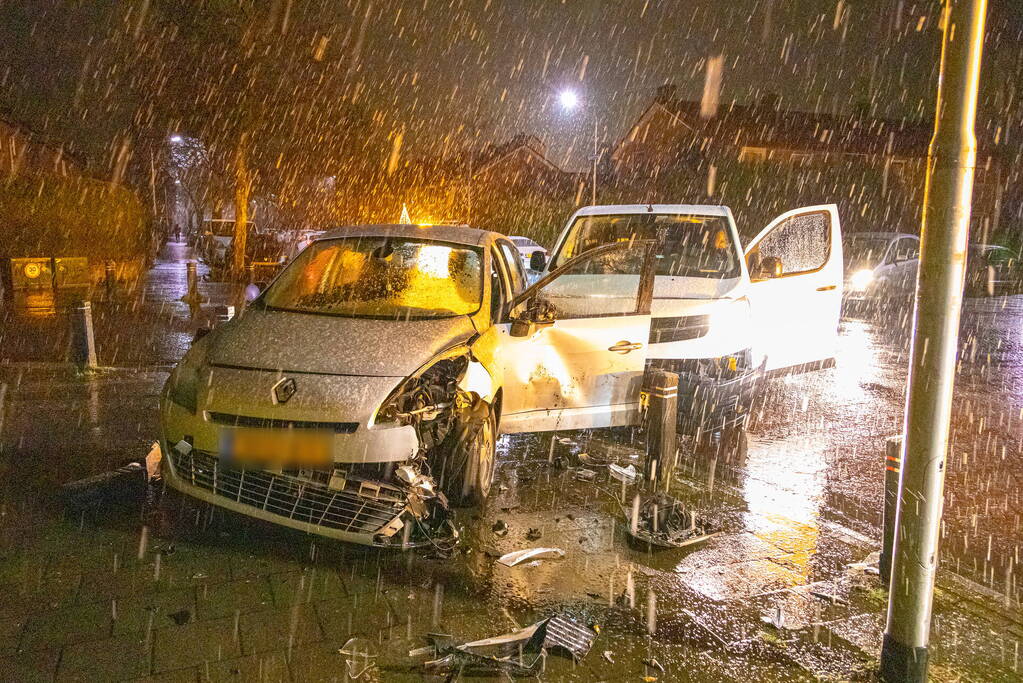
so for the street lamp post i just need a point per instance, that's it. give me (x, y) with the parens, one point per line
(946, 217)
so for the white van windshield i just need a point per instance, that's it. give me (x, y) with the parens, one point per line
(687, 245)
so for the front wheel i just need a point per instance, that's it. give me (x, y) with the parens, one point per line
(469, 464)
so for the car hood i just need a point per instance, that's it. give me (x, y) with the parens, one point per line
(322, 344)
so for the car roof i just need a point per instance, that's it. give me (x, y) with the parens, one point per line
(455, 234)
(694, 209)
(880, 235)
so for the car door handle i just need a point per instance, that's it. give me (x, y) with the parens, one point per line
(624, 347)
(827, 288)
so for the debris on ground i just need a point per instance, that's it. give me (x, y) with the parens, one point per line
(123, 485)
(652, 663)
(608, 658)
(518, 556)
(626, 474)
(570, 636)
(585, 474)
(357, 662)
(500, 528)
(662, 521)
(520, 653)
(533, 534)
(529, 554)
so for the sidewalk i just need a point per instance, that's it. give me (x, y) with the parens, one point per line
(147, 327)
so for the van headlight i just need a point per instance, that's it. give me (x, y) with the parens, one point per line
(861, 279)
(182, 386)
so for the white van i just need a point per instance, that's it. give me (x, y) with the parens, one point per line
(723, 313)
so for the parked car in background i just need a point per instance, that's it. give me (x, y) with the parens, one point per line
(215, 238)
(880, 265)
(992, 270)
(527, 248)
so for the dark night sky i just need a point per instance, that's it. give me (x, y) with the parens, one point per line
(499, 65)
(446, 70)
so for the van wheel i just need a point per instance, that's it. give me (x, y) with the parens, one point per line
(469, 465)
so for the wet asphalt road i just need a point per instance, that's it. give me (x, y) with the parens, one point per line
(805, 503)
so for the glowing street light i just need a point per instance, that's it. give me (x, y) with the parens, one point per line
(176, 139)
(568, 99)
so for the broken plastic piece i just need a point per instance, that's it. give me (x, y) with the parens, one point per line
(626, 474)
(565, 633)
(518, 556)
(664, 522)
(124, 485)
(585, 474)
(519, 653)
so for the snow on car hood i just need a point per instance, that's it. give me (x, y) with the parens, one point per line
(302, 342)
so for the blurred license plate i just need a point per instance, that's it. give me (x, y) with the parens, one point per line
(276, 448)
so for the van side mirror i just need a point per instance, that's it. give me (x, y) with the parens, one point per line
(766, 268)
(537, 260)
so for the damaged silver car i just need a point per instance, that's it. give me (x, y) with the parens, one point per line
(362, 393)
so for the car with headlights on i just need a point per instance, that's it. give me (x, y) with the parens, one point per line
(361, 393)
(880, 265)
(725, 313)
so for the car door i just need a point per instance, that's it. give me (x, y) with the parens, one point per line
(907, 262)
(795, 291)
(574, 349)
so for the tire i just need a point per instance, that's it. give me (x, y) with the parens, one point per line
(470, 463)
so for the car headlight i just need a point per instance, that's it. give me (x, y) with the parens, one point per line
(182, 386)
(861, 279)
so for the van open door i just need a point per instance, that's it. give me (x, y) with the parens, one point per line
(795, 267)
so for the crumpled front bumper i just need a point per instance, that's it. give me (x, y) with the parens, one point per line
(344, 508)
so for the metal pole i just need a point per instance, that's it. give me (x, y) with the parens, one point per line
(662, 411)
(945, 228)
(594, 187)
(83, 340)
(893, 452)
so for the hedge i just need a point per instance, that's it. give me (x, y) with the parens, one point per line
(56, 216)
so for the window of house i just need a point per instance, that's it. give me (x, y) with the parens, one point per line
(753, 154)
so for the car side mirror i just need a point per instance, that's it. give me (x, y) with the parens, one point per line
(537, 315)
(766, 268)
(537, 260)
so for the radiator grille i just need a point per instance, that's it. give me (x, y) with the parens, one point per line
(228, 420)
(360, 507)
(664, 330)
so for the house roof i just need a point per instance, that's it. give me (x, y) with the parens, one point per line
(494, 154)
(767, 126)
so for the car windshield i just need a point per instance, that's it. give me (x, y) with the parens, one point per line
(688, 245)
(381, 277)
(862, 250)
